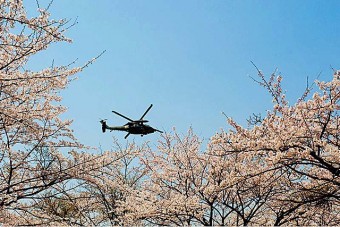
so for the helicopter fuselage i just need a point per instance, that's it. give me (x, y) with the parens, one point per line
(132, 127)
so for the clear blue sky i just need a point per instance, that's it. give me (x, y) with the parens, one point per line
(191, 59)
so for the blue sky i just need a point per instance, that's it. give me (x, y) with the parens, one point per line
(191, 59)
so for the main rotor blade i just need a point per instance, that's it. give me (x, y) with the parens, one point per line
(122, 115)
(146, 112)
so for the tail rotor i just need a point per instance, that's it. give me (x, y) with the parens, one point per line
(104, 125)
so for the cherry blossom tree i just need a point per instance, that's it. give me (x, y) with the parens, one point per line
(38, 152)
(302, 141)
(282, 170)
(92, 198)
(104, 192)
(187, 186)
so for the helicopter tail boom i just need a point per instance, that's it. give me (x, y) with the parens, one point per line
(106, 127)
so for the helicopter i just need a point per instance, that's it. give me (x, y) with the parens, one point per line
(133, 126)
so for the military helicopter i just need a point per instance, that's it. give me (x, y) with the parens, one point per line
(133, 126)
